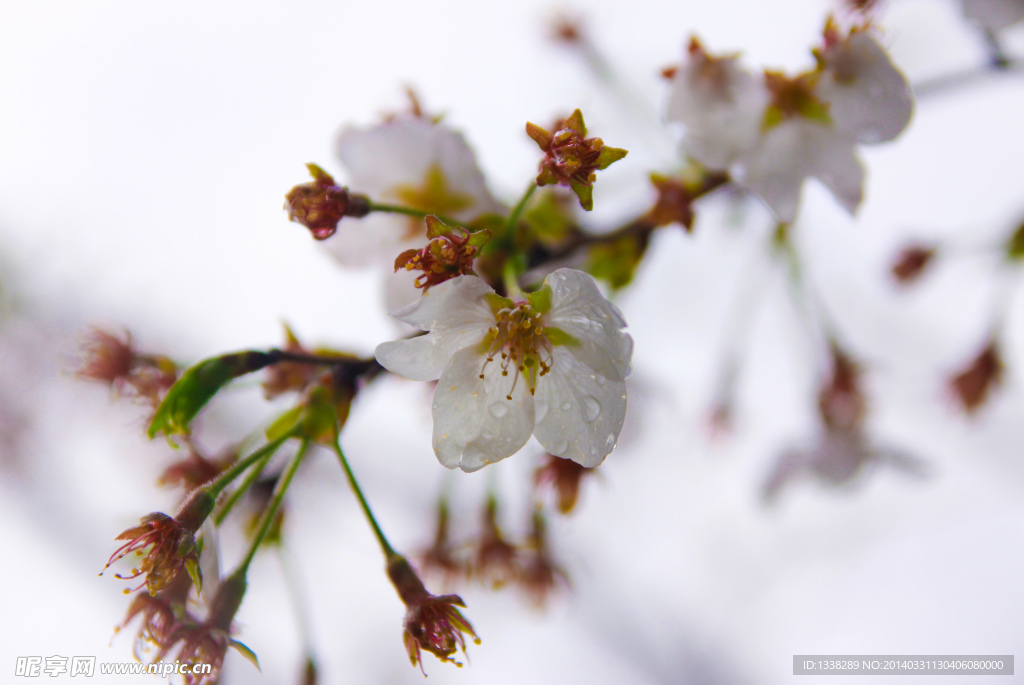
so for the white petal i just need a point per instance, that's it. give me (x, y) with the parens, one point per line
(579, 309)
(793, 150)
(377, 238)
(415, 359)
(720, 104)
(869, 99)
(452, 304)
(579, 412)
(839, 169)
(474, 423)
(209, 562)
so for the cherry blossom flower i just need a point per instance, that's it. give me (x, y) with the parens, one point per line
(415, 162)
(553, 365)
(774, 132)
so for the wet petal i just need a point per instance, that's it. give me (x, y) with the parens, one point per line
(579, 412)
(474, 422)
(452, 304)
(579, 309)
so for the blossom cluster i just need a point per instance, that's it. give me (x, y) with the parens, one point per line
(772, 131)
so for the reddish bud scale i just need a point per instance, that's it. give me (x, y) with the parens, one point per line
(840, 401)
(540, 575)
(911, 263)
(973, 385)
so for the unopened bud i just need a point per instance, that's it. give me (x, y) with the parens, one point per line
(322, 203)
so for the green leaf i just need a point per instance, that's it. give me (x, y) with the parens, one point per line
(610, 155)
(585, 193)
(247, 653)
(198, 385)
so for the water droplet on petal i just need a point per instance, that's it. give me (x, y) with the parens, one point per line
(591, 409)
(611, 439)
(498, 409)
(600, 380)
(566, 406)
(560, 448)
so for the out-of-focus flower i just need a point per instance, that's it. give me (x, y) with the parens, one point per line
(570, 158)
(994, 15)
(112, 360)
(322, 203)
(564, 476)
(540, 575)
(773, 133)
(207, 641)
(495, 562)
(973, 385)
(720, 104)
(836, 459)
(553, 365)
(411, 161)
(170, 542)
(911, 263)
(431, 623)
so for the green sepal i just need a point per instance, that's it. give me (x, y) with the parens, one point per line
(540, 136)
(319, 175)
(284, 424)
(610, 155)
(1015, 245)
(585, 193)
(556, 336)
(197, 386)
(479, 238)
(575, 122)
(540, 301)
(546, 177)
(247, 653)
(435, 227)
(496, 302)
(320, 420)
(192, 566)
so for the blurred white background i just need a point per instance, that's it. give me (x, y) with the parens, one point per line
(145, 149)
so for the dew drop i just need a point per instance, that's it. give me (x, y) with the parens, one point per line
(560, 448)
(566, 406)
(498, 409)
(610, 440)
(591, 409)
(593, 451)
(600, 380)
